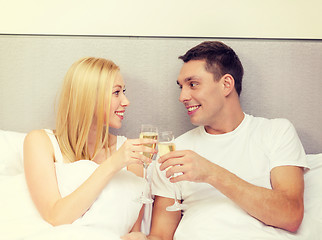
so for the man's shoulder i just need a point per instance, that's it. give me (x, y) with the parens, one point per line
(269, 123)
(189, 134)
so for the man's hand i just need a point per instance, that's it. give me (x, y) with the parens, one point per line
(186, 166)
(283, 206)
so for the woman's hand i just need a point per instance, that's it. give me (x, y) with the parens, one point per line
(134, 236)
(131, 152)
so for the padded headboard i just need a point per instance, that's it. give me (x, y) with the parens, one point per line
(282, 79)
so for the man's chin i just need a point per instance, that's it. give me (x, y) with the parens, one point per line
(195, 122)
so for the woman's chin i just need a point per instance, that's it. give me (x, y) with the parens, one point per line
(116, 126)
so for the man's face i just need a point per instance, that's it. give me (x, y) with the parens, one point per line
(200, 93)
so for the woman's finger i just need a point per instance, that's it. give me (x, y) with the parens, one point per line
(140, 141)
(141, 158)
(142, 148)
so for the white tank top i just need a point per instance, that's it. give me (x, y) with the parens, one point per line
(115, 209)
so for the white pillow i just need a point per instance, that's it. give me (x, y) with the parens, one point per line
(313, 187)
(11, 152)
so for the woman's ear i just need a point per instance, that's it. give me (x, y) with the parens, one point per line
(228, 83)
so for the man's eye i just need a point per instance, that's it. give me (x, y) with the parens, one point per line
(193, 84)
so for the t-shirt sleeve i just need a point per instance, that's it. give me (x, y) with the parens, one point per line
(160, 184)
(285, 145)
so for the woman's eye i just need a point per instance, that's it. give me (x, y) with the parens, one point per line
(116, 93)
(193, 84)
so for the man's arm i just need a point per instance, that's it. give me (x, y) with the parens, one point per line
(281, 206)
(164, 223)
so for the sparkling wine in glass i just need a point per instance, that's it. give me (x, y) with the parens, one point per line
(150, 132)
(166, 144)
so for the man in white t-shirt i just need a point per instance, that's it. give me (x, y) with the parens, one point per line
(239, 176)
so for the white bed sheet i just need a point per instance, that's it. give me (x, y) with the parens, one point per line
(19, 219)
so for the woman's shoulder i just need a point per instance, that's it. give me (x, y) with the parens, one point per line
(38, 139)
(38, 134)
(38, 149)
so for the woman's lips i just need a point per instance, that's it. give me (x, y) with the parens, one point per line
(120, 114)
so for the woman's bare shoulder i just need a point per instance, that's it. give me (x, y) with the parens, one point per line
(38, 139)
(38, 133)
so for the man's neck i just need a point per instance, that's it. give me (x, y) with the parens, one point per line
(228, 121)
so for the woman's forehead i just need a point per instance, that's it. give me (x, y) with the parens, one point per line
(118, 81)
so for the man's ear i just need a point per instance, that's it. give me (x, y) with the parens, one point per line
(228, 84)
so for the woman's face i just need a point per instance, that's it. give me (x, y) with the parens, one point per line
(118, 103)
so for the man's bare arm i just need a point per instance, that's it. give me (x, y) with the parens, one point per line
(164, 223)
(281, 206)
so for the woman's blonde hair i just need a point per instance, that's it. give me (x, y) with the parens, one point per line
(86, 91)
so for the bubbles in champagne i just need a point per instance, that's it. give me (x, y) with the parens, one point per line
(165, 147)
(149, 135)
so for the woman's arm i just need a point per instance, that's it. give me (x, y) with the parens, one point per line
(42, 182)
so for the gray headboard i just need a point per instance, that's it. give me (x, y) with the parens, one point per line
(282, 79)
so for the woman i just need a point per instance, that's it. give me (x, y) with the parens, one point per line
(70, 170)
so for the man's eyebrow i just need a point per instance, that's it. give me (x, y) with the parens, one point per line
(188, 79)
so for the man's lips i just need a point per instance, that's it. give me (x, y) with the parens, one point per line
(192, 109)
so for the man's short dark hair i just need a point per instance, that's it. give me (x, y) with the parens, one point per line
(220, 60)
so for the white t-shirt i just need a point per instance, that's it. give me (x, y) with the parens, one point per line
(251, 151)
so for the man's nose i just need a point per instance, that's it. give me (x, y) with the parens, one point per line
(184, 95)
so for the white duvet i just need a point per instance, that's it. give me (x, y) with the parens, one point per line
(111, 216)
(226, 216)
(109, 219)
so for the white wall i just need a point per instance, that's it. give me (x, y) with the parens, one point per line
(282, 79)
(299, 19)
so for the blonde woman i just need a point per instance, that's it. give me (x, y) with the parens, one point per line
(79, 173)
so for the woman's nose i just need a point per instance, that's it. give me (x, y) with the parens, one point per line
(125, 101)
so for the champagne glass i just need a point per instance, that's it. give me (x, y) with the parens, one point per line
(151, 132)
(166, 144)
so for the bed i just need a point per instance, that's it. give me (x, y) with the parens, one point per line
(282, 80)
(19, 218)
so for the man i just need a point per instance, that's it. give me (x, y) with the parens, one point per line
(241, 177)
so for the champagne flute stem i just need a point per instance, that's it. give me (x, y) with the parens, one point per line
(147, 185)
(175, 193)
(144, 172)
